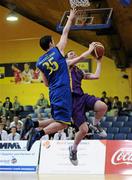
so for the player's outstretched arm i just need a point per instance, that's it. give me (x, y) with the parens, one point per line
(63, 40)
(82, 57)
(95, 75)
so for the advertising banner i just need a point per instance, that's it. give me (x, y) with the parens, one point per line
(15, 157)
(119, 157)
(54, 157)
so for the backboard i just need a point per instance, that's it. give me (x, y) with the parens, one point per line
(88, 19)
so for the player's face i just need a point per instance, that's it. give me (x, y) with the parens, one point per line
(71, 55)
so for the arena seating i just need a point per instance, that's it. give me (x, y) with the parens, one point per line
(119, 127)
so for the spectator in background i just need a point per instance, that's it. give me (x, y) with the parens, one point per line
(116, 105)
(104, 95)
(16, 109)
(16, 121)
(17, 73)
(111, 99)
(108, 103)
(60, 135)
(3, 133)
(27, 74)
(3, 119)
(42, 103)
(2, 109)
(127, 104)
(37, 76)
(13, 136)
(8, 106)
(127, 107)
(70, 133)
(7, 127)
(19, 127)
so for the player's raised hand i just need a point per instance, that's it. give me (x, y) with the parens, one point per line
(91, 47)
(73, 13)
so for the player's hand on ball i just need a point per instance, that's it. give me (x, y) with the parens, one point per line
(98, 50)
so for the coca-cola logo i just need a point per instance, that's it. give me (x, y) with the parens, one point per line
(122, 156)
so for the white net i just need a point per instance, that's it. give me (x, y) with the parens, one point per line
(81, 3)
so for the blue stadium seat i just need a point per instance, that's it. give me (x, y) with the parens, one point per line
(33, 115)
(44, 115)
(130, 118)
(110, 118)
(113, 130)
(28, 108)
(120, 136)
(118, 124)
(96, 136)
(110, 136)
(106, 124)
(122, 118)
(128, 124)
(47, 110)
(41, 110)
(129, 136)
(125, 130)
(34, 119)
(23, 114)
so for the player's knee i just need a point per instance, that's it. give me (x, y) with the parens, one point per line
(100, 107)
(104, 107)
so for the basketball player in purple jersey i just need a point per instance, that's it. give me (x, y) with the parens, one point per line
(82, 103)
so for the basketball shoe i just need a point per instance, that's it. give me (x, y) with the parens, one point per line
(28, 124)
(98, 130)
(73, 156)
(33, 136)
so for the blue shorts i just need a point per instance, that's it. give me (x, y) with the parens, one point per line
(61, 106)
(82, 104)
(61, 114)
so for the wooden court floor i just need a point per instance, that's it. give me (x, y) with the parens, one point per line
(20, 176)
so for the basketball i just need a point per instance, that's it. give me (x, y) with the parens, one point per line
(98, 51)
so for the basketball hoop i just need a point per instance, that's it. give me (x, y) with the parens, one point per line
(79, 3)
(81, 14)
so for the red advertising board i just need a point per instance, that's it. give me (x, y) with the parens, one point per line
(118, 157)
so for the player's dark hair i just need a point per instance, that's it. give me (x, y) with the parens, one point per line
(45, 41)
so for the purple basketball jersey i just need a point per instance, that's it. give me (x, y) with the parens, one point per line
(77, 76)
